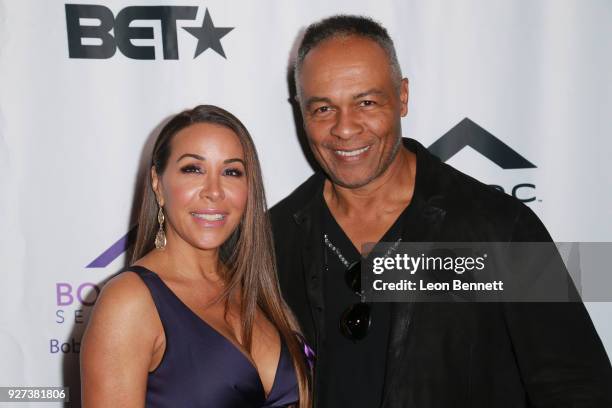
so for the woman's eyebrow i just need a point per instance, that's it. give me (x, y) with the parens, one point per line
(195, 156)
(202, 158)
(234, 160)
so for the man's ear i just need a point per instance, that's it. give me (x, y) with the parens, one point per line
(404, 97)
(157, 188)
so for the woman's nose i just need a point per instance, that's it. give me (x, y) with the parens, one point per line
(212, 190)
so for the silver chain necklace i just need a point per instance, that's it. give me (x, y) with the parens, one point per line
(346, 263)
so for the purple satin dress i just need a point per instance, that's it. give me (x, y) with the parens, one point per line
(201, 368)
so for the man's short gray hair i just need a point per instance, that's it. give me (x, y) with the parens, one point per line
(345, 26)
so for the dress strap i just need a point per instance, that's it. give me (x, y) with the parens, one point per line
(162, 297)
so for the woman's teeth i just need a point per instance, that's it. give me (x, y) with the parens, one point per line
(349, 153)
(209, 217)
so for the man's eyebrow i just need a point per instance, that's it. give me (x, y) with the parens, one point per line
(369, 92)
(316, 99)
(234, 160)
(193, 155)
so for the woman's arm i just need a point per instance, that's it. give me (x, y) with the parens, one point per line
(118, 345)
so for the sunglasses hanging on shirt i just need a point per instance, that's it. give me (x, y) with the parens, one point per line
(356, 320)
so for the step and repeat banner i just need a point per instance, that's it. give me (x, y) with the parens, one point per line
(516, 93)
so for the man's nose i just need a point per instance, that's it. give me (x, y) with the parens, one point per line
(212, 189)
(347, 125)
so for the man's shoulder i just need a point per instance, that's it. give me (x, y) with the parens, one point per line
(479, 204)
(297, 198)
(468, 191)
(286, 215)
(461, 191)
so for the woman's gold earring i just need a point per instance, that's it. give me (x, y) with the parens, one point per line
(160, 237)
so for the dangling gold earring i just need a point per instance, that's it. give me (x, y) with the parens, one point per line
(160, 237)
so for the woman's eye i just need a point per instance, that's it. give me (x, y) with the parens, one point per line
(233, 172)
(191, 169)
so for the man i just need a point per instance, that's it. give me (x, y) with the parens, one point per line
(378, 187)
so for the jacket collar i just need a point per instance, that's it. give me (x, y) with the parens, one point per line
(309, 201)
(429, 192)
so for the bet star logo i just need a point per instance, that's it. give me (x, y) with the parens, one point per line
(208, 36)
(101, 38)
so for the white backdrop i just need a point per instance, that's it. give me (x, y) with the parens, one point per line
(535, 74)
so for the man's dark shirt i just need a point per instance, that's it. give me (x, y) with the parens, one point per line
(355, 366)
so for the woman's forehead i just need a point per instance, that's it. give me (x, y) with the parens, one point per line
(206, 139)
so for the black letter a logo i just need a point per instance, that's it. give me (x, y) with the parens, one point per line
(468, 133)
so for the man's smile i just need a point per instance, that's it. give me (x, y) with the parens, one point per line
(351, 153)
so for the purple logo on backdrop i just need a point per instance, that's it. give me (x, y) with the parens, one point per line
(114, 250)
(73, 301)
(85, 293)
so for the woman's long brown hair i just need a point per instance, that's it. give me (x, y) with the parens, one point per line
(248, 254)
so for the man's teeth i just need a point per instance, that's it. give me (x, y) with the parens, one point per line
(351, 152)
(209, 217)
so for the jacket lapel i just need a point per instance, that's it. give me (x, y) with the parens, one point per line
(425, 226)
(311, 250)
(308, 219)
(402, 313)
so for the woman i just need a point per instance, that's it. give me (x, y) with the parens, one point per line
(198, 321)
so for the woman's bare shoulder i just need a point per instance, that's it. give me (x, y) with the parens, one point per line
(119, 343)
(125, 304)
(126, 290)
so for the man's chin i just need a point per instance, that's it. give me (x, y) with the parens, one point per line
(350, 182)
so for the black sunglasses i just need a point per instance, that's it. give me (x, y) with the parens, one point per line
(356, 320)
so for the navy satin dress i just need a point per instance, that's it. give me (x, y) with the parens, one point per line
(201, 368)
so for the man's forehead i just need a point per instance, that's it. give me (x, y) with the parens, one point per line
(345, 47)
(346, 67)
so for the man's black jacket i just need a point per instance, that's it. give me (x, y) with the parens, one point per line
(444, 355)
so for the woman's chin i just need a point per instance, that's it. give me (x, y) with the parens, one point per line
(209, 244)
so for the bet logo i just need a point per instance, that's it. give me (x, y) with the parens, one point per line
(105, 32)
